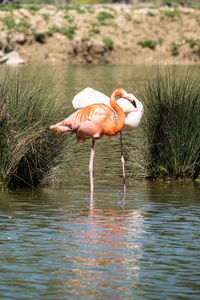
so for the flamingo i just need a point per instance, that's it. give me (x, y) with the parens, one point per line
(133, 113)
(94, 121)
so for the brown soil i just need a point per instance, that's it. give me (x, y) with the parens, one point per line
(175, 31)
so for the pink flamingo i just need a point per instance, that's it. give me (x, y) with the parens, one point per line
(133, 113)
(94, 121)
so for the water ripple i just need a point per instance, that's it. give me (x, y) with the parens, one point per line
(55, 245)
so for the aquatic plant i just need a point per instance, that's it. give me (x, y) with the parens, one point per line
(28, 149)
(172, 123)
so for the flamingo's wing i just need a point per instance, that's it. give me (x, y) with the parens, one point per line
(89, 117)
(89, 96)
(134, 118)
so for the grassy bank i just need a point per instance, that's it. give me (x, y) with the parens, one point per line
(172, 124)
(28, 149)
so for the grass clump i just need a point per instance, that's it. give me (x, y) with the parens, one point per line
(9, 22)
(28, 149)
(105, 18)
(94, 29)
(109, 43)
(150, 14)
(148, 43)
(11, 25)
(68, 31)
(46, 17)
(172, 124)
(172, 14)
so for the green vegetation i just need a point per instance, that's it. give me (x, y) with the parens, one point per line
(151, 14)
(128, 17)
(69, 18)
(28, 149)
(46, 17)
(148, 44)
(175, 48)
(175, 13)
(23, 25)
(36, 2)
(94, 30)
(172, 124)
(4, 7)
(69, 31)
(109, 43)
(105, 18)
(10, 23)
(33, 9)
(192, 42)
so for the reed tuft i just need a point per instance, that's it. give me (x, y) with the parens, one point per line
(172, 123)
(28, 149)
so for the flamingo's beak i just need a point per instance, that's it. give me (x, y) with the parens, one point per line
(134, 103)
(131, 98)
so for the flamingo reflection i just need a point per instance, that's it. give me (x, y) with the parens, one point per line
(109, 246)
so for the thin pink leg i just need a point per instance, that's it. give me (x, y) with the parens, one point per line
(91, 169)
(123, 163)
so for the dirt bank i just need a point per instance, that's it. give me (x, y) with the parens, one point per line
(101, 34)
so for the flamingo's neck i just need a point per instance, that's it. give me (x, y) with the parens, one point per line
(120, 113)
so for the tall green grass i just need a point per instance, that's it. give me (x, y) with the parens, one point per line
(28, 149)
(172, 123)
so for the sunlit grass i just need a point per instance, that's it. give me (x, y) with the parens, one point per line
(172, 123)
(28, 149)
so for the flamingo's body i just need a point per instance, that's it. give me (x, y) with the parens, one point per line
(94, 121)
(133, 115)
(91, 121)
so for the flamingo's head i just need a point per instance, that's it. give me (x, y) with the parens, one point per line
(120, 92)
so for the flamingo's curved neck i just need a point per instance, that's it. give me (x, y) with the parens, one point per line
(120, 113)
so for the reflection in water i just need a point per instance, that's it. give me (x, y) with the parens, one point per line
(109, 247)
(55, 245)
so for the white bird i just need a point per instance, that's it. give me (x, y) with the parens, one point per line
(133, 112)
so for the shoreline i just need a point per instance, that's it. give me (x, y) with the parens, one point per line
(98, 35)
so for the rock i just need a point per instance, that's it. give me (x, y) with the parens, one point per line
(19, 38)
(13, 59)
(3, 59)
(90, 51)
(12, 54)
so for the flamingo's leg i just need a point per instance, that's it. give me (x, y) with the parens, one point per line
(91, 168)
(123, 163)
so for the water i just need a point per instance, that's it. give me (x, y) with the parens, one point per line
(57, 244)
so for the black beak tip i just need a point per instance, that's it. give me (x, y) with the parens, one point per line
(134, 103)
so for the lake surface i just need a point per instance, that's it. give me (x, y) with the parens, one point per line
(55, 243)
